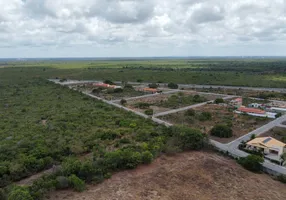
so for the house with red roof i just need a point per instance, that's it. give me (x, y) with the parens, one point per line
(255, 112)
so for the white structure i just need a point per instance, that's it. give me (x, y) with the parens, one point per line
(255, 112)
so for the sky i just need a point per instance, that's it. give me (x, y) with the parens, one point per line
(142, 28)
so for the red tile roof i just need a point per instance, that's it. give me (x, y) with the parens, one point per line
(251, 110)
(150, 90)
(238, 99)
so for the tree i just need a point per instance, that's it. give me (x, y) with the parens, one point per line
(222, 131)
(19, 193)
(76, 183)
(218, 101)
(173, 86)
(118, 90)
(188, 139)
(123, 101)
(252, 163)
(278, 115)
(153, 85)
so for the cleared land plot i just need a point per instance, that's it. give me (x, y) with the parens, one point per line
(110, 93)
(241, 124)
(166, 102)
(278, 133)
(187, 176)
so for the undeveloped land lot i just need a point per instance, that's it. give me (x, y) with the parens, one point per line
(278, 133)
(164, 102)
(241, 124)
(187, 176)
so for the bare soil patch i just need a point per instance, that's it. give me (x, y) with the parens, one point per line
(187, 176)
(241, 124)
(165, 102)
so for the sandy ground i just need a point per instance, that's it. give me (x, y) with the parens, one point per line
(187, 176)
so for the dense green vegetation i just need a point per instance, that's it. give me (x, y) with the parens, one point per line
(222, 131)
(44, 124)
(252, 163)
(176, 101)
(241, 72)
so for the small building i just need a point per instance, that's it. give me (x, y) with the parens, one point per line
(272, 149)
(149, 90)
(255, 112)
(236, 102)
(104, 85)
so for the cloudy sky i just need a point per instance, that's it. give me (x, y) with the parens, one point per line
(120, 28)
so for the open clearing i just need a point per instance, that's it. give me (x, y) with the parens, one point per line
(278, 133)
(166, 102)
(186, 176)
(241, 124)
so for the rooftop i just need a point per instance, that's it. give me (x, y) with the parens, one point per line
(266, 142)
(251, 110)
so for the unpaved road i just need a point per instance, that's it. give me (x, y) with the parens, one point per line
(186, 176)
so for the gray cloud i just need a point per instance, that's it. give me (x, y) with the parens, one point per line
(122, 25)
(206, 13)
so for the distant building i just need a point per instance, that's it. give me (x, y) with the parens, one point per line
(277, 109)
(236, 102)
(272, 149)
(255, 112)
(149, 90)
(104, 85)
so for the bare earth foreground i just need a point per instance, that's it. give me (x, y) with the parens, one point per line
(188, 176)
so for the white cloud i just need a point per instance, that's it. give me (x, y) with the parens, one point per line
(138, 28)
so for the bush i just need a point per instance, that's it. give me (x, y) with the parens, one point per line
(222, 131)
(19, 193)
(190, 112)
(205, 116)
(153, 85)
(149, 112)
(147, 157)
(122, 159)
(123, 101)
(142, 105)
(118, 90)
(108, 82)
(128, 86)
(218, 101)
(252, 163)
(62, 182)
(173, 86)
(76, 183)
(282, 178)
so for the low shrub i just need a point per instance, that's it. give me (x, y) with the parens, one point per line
(147, 157)
(62, 182)
(149, 112)
(76, 183)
